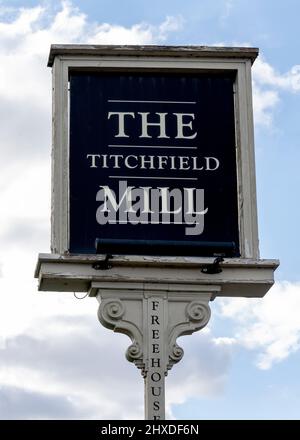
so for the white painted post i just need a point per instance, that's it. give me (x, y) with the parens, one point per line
(153, 316)
(155, 378)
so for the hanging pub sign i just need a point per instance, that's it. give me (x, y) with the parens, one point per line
(153, 163)
(153, 153)
(153, 183)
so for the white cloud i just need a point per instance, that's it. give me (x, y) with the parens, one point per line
(264, 103)
(228, 7)
(142, 33)
(53, 349)
(24, 202)
(61, 354)
(171, 24)
(265, 74)
(271, 325)
(70, 360)
(203, 370)
(268, 85)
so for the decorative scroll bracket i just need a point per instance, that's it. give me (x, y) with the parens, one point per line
(154, 300)
(154, 316)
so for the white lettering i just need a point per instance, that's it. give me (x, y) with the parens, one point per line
(208, 160)
(147, 205)
(93, 156)
(181, 125)
(121, 121)
(184, 163)
(161, 124)
(127, 163)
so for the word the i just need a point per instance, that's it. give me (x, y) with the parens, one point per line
(183, 124)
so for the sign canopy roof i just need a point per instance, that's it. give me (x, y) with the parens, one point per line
(152, 51)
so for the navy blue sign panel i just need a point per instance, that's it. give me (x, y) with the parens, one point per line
(153, 164)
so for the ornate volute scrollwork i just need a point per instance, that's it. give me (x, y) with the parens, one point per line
(197, 315)
(112, 315)
(110, 312)
(133, 316)
(176, 353)
(134, 351)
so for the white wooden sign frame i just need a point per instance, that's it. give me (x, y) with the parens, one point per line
(101, 58)
(153, 299)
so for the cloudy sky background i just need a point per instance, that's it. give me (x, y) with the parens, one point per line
(56, 361)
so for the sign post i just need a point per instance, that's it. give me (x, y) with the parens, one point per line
(154, 318)
(153, 192)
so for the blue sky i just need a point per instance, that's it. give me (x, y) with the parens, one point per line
(53, 352)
